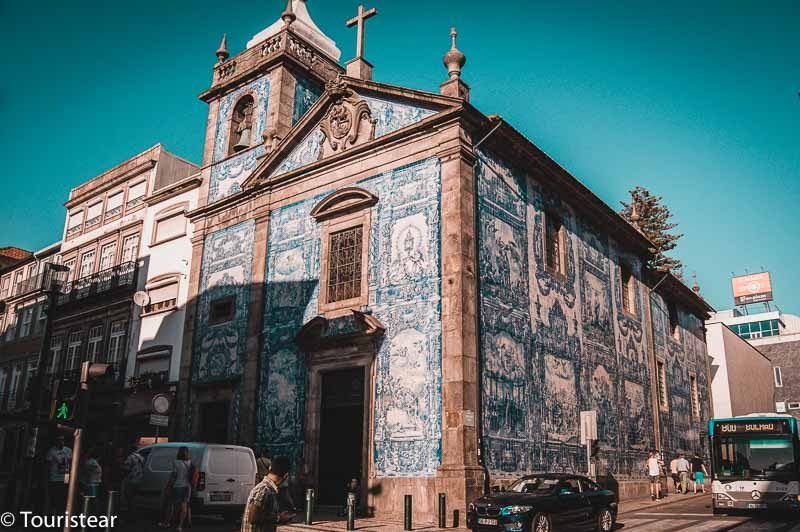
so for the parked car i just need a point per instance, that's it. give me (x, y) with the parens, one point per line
(544, 503)
(227, 475)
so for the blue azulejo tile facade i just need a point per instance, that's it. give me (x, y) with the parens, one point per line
(306, 94)
(226, 272)
(404, 294)
(227, 176)
(553, 345)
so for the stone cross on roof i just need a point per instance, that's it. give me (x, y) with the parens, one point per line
(358, 20)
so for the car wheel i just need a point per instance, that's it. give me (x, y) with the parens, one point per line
(605, 520)
(541, 523)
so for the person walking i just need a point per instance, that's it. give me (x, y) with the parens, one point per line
(93, 473)
(653, 468)
(699, 473)
(262, 513)
(684, 467)
(133, 470)
(58, 460)
(179, 484)
(673, 473)
(262, 464)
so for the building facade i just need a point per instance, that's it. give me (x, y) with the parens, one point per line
(776, 335)
(95, 318)
(387, 284)
(25, 284)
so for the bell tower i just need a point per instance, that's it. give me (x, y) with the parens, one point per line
(257, 95)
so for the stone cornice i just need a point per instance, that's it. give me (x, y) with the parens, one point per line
(175, 189)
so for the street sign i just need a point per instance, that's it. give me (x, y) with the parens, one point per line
(161, 404)
(588, 425)
(158, 420)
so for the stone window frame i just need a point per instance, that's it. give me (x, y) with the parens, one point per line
(627, 304)
(558, 270)
(162, 281)
(661, 384)
(229, 151)
(169, 212)
(777, 376)
(344, 209)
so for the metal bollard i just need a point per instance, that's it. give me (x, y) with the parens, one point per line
(310, 496)
(442, 511)
(88, 501)
(351, 511)
(111, 509)
(455, 518)
(407, 513)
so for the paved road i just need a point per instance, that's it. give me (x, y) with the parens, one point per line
(695, 515)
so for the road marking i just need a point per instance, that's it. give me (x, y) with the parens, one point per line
(665, 514)
(713, 525)
(633, 523)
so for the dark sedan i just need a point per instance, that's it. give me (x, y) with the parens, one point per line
(543, 503)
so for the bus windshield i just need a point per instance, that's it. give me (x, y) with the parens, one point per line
(756, 457)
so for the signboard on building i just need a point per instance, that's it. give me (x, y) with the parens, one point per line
(753, 288)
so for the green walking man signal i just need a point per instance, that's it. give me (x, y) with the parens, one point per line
(64, 412)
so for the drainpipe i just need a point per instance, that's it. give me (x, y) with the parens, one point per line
(476, 215)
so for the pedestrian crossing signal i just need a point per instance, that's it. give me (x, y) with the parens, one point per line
(65, 411)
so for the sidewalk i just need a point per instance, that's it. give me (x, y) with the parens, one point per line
(364, 524)
(636, 505)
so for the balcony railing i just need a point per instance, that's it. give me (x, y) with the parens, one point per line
(52, 278)
(120, 277)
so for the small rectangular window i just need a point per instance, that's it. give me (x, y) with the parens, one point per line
(778, 377)
(170, 227)
(114, 204)
(627, 289)
(117, 341)
(794, 406)
(87, 265)
(554, 235)
(27, 320)
(55, 354)
(136, 194)
(107, 255)
(673, 320)
(662, 385)
(162, 297)
(344, 264)
(222, 310)
(94, 214)
(130, 249)
(75, 223)
(93, 343)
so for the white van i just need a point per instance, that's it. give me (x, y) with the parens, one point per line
(227, 475)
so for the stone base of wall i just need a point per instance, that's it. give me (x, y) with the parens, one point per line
(385, 498)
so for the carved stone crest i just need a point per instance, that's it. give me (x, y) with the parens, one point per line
(348, 121)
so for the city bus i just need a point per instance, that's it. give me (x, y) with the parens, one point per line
(755, 463)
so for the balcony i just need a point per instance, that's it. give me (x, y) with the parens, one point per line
(116, 279)
(52, 278)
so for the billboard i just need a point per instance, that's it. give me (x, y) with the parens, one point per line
(753, 288)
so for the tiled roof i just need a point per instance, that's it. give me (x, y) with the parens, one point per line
(14, 253)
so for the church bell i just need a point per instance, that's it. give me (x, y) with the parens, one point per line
(244, 141)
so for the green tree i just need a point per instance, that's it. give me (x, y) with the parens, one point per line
(652, 217)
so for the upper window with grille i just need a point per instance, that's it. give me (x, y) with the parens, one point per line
(344, 264)
(554, 244)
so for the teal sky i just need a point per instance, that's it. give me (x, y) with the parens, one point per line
(697, 101)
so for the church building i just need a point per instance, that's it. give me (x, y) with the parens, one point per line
(388, 284)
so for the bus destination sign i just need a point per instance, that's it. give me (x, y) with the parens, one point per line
(773, 426)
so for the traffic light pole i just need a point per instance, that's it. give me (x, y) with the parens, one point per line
(77, 448)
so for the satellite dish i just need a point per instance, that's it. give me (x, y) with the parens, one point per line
(141, 298)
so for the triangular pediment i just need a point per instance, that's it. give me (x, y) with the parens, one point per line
(349, 113)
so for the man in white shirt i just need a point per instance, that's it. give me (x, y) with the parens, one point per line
(684, 467)
(653, 468)
(58, 460)
(673, 471)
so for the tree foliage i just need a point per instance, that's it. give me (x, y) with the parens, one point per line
(652, 218)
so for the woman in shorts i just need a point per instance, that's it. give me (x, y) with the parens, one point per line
(699, 473)
(179, 488)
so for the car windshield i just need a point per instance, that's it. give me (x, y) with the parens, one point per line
(538, 485)
(756, 458)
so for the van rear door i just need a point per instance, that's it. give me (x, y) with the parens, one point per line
(157, 470)
(225, 476)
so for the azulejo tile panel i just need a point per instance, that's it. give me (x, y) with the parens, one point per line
(306, 93)
(404, 285)
(551, 344)
(390, 116)
(227, 176)
(226, 272)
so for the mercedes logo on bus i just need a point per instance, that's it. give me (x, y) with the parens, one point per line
(756, 495)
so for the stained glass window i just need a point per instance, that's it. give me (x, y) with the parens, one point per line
(344, 264)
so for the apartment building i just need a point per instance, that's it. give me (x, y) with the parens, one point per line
(25, 282)
(95, 317)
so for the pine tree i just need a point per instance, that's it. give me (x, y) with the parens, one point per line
(652, 218)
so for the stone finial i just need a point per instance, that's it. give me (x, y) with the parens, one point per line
(222, 51)
(635, 217)
(288, 15)
(695, 284)
(454, 60)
